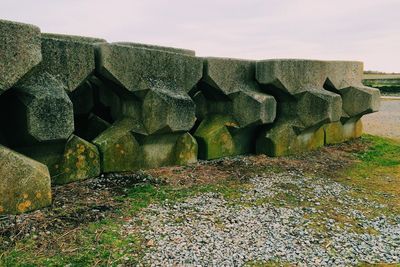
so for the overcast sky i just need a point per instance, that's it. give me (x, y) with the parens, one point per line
(366, 30)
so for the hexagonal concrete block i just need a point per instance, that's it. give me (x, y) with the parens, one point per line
(214, 138)
(139, 69)
(361, 100)
(40, 110)
(24, 183)
(119, 150)
(165, 111)
(315, 108)
(228, 76)
(253, 108)
(20, 51)
(186, 149)
(292, 75)
(69, 58)
(80, 161)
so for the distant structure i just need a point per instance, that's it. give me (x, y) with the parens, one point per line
(386, 82)
(74, 107)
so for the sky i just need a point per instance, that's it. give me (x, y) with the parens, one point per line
(364, 30)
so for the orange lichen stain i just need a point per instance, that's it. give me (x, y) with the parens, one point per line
(25, 195)
(68, 154)
(81, 149)
(22, 207)
(1, 209)
(91, 154)
(49, 195)
(38, 195)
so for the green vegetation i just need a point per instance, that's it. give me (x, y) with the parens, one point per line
(374, 175)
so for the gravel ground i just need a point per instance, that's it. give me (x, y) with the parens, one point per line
(208, 230)
(386, 122)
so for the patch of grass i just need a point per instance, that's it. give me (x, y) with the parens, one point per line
(377, 173)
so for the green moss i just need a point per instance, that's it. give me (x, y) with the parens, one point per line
(214, 138)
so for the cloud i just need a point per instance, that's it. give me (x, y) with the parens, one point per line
(366, 30)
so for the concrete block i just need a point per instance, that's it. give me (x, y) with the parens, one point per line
(24, 183)
(20, 47)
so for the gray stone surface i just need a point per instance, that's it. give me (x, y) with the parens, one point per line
(138, 69)
(19, 51)
(70, 59)
(157, 47)
(40, 111)
(166, 111)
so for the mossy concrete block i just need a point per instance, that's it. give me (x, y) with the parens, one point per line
(40, 110)
(80, 161)
(165, 111)
(283, 140)
(338, 132)
(292, 76)
(20, 51)
(207, 106)
(345, 78)
(214, 138)
(317, 107)
(168, 149)
(119, 150)
(24, 183)
(138, 69)
(186, 149)
(69, 58)
(157, 47)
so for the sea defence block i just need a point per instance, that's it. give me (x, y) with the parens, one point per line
(304, 105)
(345, 79)
(147, 87)
(39, 110)
(24, 183)
(231, 107)
(20, 51)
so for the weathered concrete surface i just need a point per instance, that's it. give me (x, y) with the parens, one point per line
(80, 160)
(229, 87)
(304, 105)
(214, 138)
(282, 140)
(386, 122)
(71, 59)
(338, 132)
(137, 69)
(19, 51)
(166, 111)
(24, 183)
(119, 149)
(345, 78)
(39, 110)
(157, 47)
(168, 149)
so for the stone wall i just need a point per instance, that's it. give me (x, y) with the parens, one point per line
(74, 107)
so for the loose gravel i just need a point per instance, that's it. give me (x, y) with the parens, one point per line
(261, 226)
